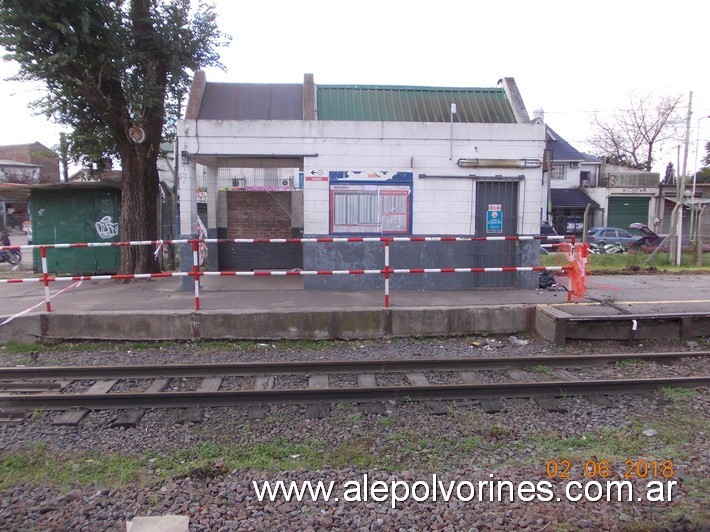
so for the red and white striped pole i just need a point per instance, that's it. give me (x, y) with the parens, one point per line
(45, 278)
(387, 273)
(196, 271)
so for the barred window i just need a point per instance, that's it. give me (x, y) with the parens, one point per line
(559, 171)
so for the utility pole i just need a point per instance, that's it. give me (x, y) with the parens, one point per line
(680, 199)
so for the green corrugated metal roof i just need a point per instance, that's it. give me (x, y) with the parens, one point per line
(413, 104)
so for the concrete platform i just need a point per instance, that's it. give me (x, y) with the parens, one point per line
(279, 307)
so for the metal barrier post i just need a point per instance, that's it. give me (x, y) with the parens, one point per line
(196, 271)
(387, 273)
(45, 278)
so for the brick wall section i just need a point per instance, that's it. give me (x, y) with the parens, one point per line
(35, 153)
(258, 214)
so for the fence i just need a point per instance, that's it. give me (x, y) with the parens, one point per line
(576, 255)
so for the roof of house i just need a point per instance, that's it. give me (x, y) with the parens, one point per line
(571, 197)
(27, 145)
(22, 191)
(85, 175)
(413, 104)
(560, 149)
(4, 162)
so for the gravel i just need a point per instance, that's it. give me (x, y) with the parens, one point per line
(407, 444)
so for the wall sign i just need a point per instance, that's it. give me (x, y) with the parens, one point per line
(494, 218)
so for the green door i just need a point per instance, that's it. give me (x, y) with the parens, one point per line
(77, 216)
(625, 210)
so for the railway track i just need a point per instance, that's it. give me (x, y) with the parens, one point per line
(544, 378)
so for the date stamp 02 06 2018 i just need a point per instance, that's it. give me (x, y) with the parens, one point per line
(633, 469)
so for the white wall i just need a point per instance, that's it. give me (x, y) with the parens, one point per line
(441, 206)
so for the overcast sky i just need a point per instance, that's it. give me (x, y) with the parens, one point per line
(572, 59)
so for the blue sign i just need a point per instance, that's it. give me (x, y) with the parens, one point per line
(494, 222)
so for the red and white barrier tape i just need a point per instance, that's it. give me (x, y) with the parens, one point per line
(288, 273)
(160, 243)
(27, 311)
(97, 277)
(196, 273)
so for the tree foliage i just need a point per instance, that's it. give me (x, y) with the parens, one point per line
(704, 172)
(114, 71)
(630, 137)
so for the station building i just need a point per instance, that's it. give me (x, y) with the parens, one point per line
(291, 160)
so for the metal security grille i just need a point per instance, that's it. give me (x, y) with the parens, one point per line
(624, 211)
(496, 215)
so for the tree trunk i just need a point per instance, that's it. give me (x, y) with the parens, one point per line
(139, 208)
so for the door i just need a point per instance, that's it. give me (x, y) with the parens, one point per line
(77, 216)
(496, 215)
(625, 210)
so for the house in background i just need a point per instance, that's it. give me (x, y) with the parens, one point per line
(570, 174)
(24, 164)
(375, 160)
(34, 154)
(627, 196)
(617, 196)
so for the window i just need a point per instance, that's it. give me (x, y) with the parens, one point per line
(369, 209)
(559, 171)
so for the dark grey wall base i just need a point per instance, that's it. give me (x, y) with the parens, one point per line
(371, 255)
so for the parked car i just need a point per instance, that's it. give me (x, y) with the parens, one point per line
(548, 230)
(575, 225)
(650, 241)
(611, 235)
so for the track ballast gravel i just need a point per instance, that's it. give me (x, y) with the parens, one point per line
(408, 444)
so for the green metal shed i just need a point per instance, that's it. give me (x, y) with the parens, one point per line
(71, 213)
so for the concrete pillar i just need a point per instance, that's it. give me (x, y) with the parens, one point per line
(211, 222)
(187, 185)
(529, 255)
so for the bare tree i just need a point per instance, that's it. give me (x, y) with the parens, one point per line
(630, 136)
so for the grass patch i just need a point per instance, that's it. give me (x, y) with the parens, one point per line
(630, 262)
(277, 455)
(677, 426)
(543, 370)
(386, 422)
(629, 363)
(15, 348)
(678, 394)
(605, 442)
(41, 467)
(402, 451)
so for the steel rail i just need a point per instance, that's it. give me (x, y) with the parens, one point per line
(326, 367)
(327, 395)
